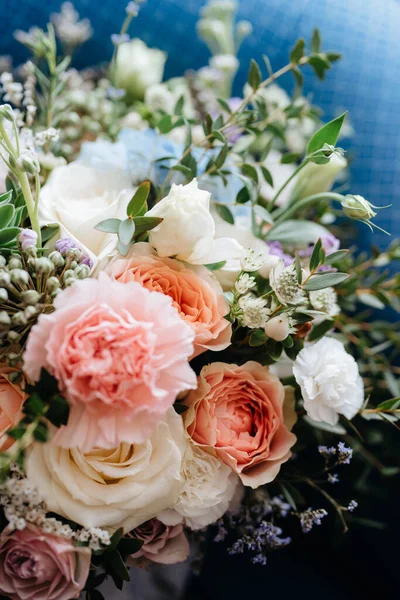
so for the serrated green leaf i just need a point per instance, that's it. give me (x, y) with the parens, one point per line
(109, 225)
(225, 213)
(316, 41)
(139, 199)
(297, 51)
(320, 281)
(327, 134)
(254, 77)
(126, 230)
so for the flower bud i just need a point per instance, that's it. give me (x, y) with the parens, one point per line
(19, 319)
(13, 336)
(69, 281)
(357, 207)
(4, 279)
(14, 263)
(44, 266)
(3, 295)
(277, 328)
(57, 258)
(68, 274)
(28, 162)
(82, 271)
(30, 297)
(53, 283)
(13, 359)
(228, 63)
(19, 277)
(7, 112)
(3, 261)
(27, 238)
(244, 28)
(30, 312)
(4, 319)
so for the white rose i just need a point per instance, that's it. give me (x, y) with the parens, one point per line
(138, 67)
(188, 229)
(242, 233)
(78, 196)
(330, 381)
(121, 487)
(209, 487)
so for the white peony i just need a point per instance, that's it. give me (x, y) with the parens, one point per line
(187, 231)
(121, 487)
(138, 67)
(330, 381)
(209, 487)
(78, 196)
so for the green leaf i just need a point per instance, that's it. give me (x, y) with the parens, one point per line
(254, 77)
(128, 546)
(267, 176)
(182, 169)
(94, 595)
(115, 539)
(224, 105)
(316, 41)
(225, 213)
(216, 266)
(109, 225)
(58, 411)
(17, 432)
(330, 259)
(8, 234)
(35, 405)
(6, 197)
(7, 212)
(125, 231)
(391, 404)
(179, 106)
(315, 256)
(296, 232)
(41, 432)
(262, 212)
(180, 408)
(327, 134)
(123, 249)
(274, 349)
(320, 64)
(117, 565)
(219, 136)
(139, 200)
(243, 195)
(297, 51)
(257, 338)
(333, 56)
(250, 171)
(143, 224)
(319, 330)
(319, 281)
(221, 158)
(299, 273)
(290, 157)
(165, 124)
(298, 76)
(49, 232)
(371, 300)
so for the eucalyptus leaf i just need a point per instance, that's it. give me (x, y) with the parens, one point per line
(262, 212)
(216, 266)
(315, 256)
(109, 225)
(225, 213)
(320, 281)
(126, 230)
(297, 51)
(296, 232)
(138, 202)
(143, 224)
(336, 256)
(320, 329)
(254, 77)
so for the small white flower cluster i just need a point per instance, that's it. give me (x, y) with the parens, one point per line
(13, 91)
(252, 260)
(244, 283)
(23, 504)
(70, 30)
(29, 93)
(255, 311)
(326, 301)
(48, 135)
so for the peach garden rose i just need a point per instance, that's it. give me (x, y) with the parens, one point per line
(239, 414)
(194, 291)
(11, 400)
(120, 356)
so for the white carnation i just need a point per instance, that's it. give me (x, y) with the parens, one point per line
(330, 381)
(209, 486)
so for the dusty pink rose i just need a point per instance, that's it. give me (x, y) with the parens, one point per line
(11, 400)
(194, 291)
(161, 543)
(240, 414)
(39, 566)
(120, 355)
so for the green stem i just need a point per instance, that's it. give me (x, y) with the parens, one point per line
(271, 204)
(31, 205)
(288, 212)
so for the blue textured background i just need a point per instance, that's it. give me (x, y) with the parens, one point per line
(366, 82)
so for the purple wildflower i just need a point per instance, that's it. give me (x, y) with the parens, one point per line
(27, 238)
(276, 249)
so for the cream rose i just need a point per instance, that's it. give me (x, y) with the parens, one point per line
(121, 487)
(187, 231)
(330, 381)
(138, 67)
(77, 197)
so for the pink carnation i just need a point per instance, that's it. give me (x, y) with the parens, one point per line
(241, 415)
(120, 355)
(163, 544)
(39, 566)
(194, 291)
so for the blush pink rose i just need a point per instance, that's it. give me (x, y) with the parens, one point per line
(194, 291)
(120, 356)
(240, 415)
(12, 398)
(163, 544)
(39, 566)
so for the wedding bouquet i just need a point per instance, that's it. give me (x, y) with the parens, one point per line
(182, 339)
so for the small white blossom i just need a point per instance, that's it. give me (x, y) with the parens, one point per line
(47, 135)
(255, 312)
(283, 281)
(325, 300)
(12, 90)
(69, 28)
(244, 283)
(251, 260)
